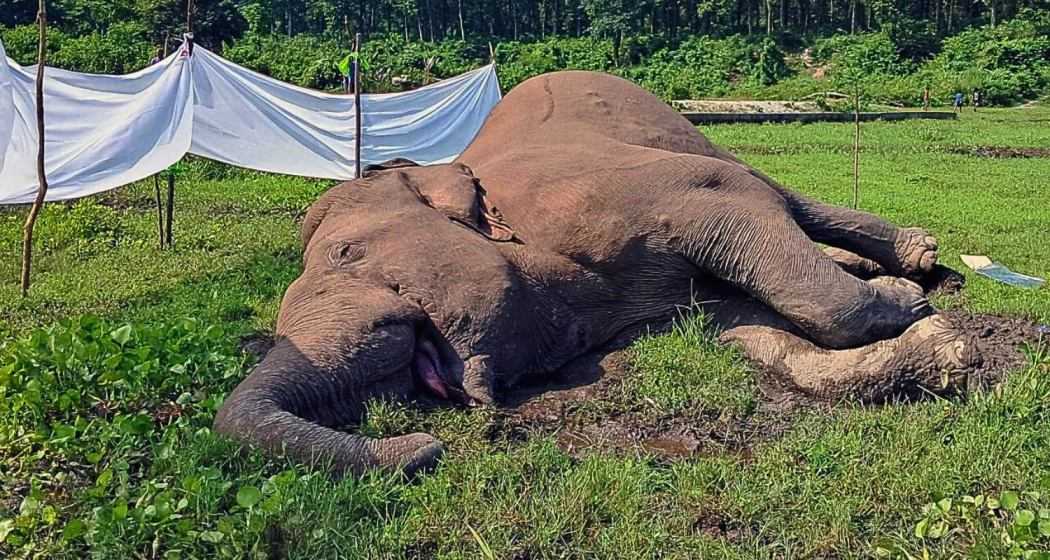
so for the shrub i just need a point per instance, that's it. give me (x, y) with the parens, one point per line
(312, 61)
(303, 60)
(704, 67)
(872, 54)
(21, 42)
(122, 49)
(1008, 62)
(521, 61)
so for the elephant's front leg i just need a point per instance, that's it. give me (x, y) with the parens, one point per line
(931, 355)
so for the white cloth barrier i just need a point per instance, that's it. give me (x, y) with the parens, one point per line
(106, 131)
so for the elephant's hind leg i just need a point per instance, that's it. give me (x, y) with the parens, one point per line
(747, 237)
(909, 252)
(931, 355)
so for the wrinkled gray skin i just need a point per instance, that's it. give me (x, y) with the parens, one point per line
(613, 212)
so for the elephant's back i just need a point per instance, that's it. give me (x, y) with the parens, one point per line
(578, 108)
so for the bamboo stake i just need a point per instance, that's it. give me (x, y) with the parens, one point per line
(189, 16)
(357, 104)
(171, 208)
(38, 204)
(856, 147)
(160, 210)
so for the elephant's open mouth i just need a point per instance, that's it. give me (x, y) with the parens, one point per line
(433, 372)
(428, 368)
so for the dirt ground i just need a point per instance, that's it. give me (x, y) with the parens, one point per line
(1003, 152)
(723, 106)
(565, 408)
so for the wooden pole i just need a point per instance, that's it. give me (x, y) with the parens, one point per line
(160, 210)
(168, 231)
(856, 147)
(357, 105)
(41, 194)
(171, 208)
(189, 16)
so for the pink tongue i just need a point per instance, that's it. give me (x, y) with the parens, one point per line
(430, 376)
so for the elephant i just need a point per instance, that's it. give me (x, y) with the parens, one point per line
(585, 208)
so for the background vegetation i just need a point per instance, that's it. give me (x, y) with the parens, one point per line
(784, 49)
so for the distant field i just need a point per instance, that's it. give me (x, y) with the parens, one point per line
(105, 451)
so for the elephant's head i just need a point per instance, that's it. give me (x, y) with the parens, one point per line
(404, 290)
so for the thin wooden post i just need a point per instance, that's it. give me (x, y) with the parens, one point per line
(856, 147)
(492, 54)
(160, 210)
(168, 230)
(41, 193)
(357, 105)
(171, 208)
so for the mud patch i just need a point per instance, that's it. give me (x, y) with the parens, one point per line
(999, 340)
(943, 281)
(587, 411)
(1001, 152)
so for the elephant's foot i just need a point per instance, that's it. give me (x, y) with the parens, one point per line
(891, 305)
(916, 253)
(932, 355)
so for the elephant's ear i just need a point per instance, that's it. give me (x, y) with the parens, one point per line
(455, 192)
(491, 223)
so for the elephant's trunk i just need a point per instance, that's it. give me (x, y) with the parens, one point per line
(288, 407)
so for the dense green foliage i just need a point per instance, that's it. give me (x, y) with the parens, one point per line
(107, 392)
(675, 48)
(432, 20)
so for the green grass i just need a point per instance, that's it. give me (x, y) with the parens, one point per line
(687, 371)
(105, 449)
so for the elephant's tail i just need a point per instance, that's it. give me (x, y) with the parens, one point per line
(269, 409)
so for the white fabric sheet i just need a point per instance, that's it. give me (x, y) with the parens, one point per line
(106, 131)
(101, 132)
(7, 106)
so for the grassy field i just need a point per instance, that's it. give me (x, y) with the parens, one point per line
(112, 369)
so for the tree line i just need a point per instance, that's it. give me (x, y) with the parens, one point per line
(433, 20)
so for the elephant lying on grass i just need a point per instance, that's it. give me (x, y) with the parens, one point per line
(584, 209)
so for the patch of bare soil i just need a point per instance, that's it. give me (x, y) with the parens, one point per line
(726, 106)
(586, 412)
(999, 340)
(1001, 152)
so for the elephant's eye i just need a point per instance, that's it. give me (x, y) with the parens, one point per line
(346, 253)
